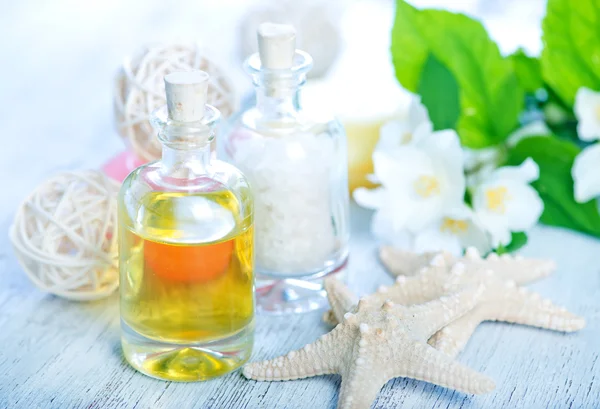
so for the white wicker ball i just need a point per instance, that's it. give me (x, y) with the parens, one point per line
(140, 89)
(316, 23)
(65, 235)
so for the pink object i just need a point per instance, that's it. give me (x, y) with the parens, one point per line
(121, 165)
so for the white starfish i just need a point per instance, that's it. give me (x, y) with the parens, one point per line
(521, 270)
(502, 299)
(400, 262)
(377, 343)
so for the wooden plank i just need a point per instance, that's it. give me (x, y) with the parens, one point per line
(59, 354)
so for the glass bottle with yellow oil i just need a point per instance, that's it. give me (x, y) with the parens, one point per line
(186, 248)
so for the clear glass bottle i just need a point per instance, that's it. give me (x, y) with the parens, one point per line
(186, 248)
(297, 167)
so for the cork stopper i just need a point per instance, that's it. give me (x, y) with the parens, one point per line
(186, 95)
(276, 45)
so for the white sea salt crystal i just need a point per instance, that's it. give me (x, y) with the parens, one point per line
(291, 179)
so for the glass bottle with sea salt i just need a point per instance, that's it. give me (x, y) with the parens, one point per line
(297, 168)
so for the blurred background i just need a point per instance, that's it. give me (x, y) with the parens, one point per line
(59, 61)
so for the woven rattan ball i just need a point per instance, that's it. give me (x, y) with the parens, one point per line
(316, 23)
(140, 89)
(65, 235)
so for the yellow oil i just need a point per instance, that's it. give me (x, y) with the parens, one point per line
(186, 264)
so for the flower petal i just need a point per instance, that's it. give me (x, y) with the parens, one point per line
(397, 167)
(586, 173)
(476, 237)
(441, 159)
(402, 132)
(523, 207)
(535, 128)
(493, 222)
(426, 211)
(421, 132)
(447, 156)
(499, 235)
(446, 139)
(417, 114)
(448, 234)
(369, 198)
(527, 172)
(432, 239)
(391, 134)
(587, 111)
(444, 148)
(495, 226)
(460, 212)
(371, 177)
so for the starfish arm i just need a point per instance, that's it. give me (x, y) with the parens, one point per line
(400, 262)
(426, 319)
(360, 385)
(321, 357)
(519, 270)
(520, 306)
(429, 365)
(341, 299)
(452, 339)
(427, 286)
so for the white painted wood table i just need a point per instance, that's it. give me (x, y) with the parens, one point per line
(59, 354)
(55, 113)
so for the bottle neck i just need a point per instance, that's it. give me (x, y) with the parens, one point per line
(187, 163)
(277, 102)
(278, 90)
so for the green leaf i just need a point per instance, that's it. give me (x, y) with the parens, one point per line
(528, 70)
(518, 240)
(439, 93)
(559, 117)
(571, 54)
(490, 96)
(555, 185)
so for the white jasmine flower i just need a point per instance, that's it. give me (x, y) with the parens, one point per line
(586, 167)
(587, 111)
(505, 202)
(453, 233)
(407, 131)
(420, 183)
(586, 173)
(480, 163)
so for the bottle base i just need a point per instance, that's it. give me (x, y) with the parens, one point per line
(186, 362)
(295, 295)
